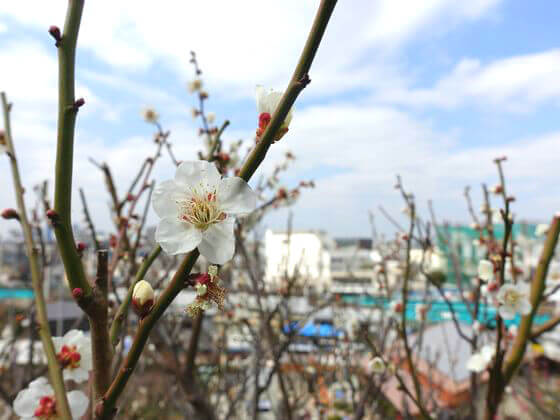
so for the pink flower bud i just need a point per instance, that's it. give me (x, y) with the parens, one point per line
(77, 293)
(81, 246)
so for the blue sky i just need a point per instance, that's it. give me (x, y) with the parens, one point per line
(432, 90)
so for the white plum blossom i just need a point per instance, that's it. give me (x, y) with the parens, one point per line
(478, 362)
(551, 350)
(513, 299)
(485, 270)
(73, 352)
(37, 402)
(267, 102)
(378, 365)
(150, 115)
(540, 230)
(198, 209)
(211, 117)
(194, 85)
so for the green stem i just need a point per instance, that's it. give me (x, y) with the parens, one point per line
(55, 372)
(67, 111)
(537, 289)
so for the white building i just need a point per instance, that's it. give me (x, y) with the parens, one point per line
(305, 254)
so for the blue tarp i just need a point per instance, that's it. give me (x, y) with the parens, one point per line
(314, 330)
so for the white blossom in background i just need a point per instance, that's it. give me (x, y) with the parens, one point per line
(396, 307)
(73, 352)
(551, 350)
(37, 401)
(198, 209)
(421, 311)
(478, 362)
(485, 270)
(513, 299)
(194, 85)
(267, 102)
(150, 115)
(541, 229)
(378, 365)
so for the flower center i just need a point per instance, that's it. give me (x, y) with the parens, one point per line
(511, 297)
(69, 357)
(46, 409)
(201, 210)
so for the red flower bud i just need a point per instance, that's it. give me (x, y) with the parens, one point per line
(77, 293)
(10, 214)
(81, 246)
(52, 215)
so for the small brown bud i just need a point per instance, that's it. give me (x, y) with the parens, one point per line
(10, 214)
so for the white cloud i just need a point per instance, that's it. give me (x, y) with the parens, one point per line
(396, 21)
(516, 83)
(373, 144)
(244, 43)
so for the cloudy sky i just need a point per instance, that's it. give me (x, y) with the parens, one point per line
(432, 90)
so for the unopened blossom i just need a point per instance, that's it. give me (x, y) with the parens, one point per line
(267, 102)
(211, 117)
(485, 270)
(194, 85)
(142, 298)
(478, 362)
(208, 290)
(541, 229)
(421, 311)
(378, 365)
(496, 189)
(150, 115)
(73, 352)
(513, 299)
(198, 209)
(3, 145)
(38, 402)
(475, 226)
(396, 307)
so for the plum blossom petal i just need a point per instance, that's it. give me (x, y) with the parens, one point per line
(485, 270)
(78, 402)
(218, 243)
(176, 237)
(165, 198)
(236, 197)
(195, 173)
(506, 312)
